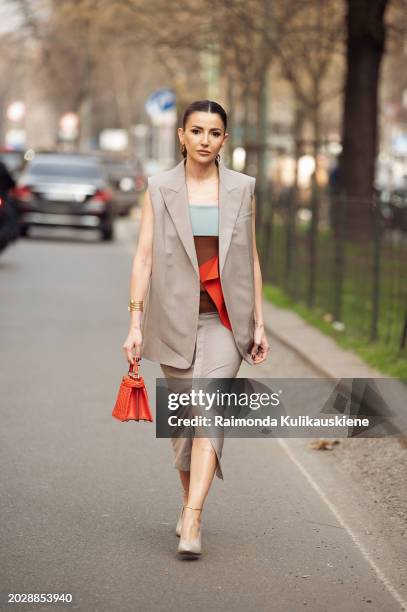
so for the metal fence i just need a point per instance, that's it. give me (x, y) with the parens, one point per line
(360, 287)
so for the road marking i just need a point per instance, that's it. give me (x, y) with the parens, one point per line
(392, 590)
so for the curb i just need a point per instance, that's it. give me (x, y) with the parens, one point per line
(311, 337)
(326, 372)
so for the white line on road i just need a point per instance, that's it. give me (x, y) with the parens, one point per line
(382, 577)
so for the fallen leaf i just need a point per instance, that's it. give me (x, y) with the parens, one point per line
(323, 444)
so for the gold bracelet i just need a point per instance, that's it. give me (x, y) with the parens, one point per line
(135, 305)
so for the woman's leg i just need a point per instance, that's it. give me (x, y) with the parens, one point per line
(184, 477)
(203, 466)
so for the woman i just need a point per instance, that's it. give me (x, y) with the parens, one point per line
(197, 258)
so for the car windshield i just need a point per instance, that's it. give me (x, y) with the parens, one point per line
(83, 171)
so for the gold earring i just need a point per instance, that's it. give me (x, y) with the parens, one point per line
(183, 149)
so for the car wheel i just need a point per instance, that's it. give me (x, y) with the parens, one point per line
(107, 233)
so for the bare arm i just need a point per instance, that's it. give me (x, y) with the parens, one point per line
(258, 281)
(142, 262)
(261, 346)
(140, 276)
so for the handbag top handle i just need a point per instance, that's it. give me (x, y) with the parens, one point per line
(133, 369)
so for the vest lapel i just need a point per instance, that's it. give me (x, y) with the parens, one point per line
(174, 191)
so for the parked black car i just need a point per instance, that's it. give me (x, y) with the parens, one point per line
(57, 189)
(9, 228)
(127, 180)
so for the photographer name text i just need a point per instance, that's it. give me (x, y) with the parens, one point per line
(268, 421)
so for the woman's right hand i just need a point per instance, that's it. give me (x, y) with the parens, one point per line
(133, 341)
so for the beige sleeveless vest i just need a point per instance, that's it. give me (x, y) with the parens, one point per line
(170, 318)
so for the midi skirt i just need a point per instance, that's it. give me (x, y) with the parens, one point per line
(215, 356)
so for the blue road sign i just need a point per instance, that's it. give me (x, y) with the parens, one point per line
(160, 101)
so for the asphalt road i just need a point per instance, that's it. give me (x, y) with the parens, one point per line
(88, 505)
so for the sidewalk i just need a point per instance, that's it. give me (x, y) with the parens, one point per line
(317, 349)
(332, 361)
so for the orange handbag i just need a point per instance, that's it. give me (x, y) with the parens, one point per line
(132, 402)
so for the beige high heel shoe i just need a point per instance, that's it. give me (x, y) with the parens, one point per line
(191, 549)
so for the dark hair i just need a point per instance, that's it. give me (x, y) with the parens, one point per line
(206, 106)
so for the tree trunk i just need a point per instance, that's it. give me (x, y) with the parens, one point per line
(365, 47)
(230, 96)
(246, 125)
(261, 140)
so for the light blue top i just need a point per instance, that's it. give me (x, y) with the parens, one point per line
(204, 219)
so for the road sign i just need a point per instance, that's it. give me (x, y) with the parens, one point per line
(161, 101)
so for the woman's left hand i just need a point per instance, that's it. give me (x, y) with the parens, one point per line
(261, 347)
